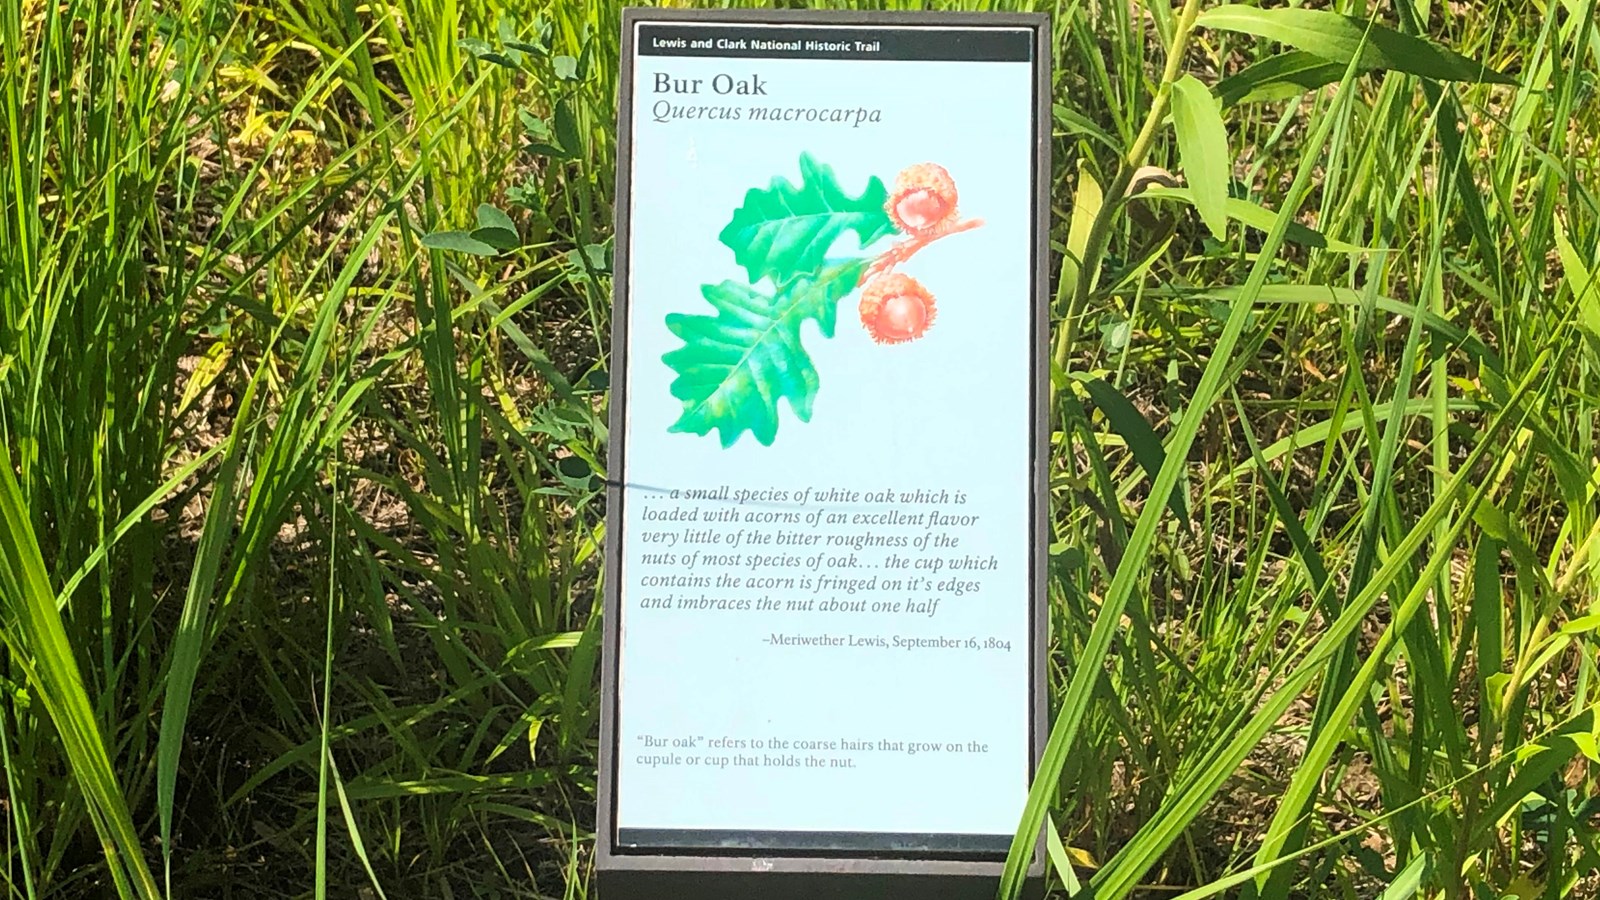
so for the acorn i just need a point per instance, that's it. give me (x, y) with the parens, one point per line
(923, 200)
(896, 308)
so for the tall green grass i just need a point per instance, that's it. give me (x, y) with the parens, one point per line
(299, 518)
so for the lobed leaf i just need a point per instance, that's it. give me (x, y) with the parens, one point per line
(735, 366)
(787, 230)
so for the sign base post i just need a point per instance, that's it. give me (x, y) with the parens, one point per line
(735, 878)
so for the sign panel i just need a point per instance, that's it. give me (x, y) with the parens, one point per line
(824, 610)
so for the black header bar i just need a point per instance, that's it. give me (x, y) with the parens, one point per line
(950, 44)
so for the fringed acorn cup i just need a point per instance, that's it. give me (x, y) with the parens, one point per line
(924, 199)
(895, 308)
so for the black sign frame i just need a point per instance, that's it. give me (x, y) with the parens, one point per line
(717, 874)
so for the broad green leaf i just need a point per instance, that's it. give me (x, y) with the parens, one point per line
(1086, 205)
(459, 242)
(1126, 420)
(498, 238)
(1582, 282)
(505, 29)
(591, 256)
(566, 68)
(542, 139)
(490, 217)
(1495, 688)
(567, 133)
(574, 467)
(787, 230)
(537, 43)
(482, 49)
(1279, 78)
(536, 128)
(551, 150)
(1339, 38)
(1203, 147)
(735, 366)
(1115, 333)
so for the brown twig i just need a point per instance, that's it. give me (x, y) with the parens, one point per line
(904, 250)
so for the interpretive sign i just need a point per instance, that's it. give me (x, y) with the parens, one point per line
(824, 605)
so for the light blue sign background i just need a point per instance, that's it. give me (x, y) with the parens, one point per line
(949, 411)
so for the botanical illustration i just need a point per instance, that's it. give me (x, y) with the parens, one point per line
(738, 363)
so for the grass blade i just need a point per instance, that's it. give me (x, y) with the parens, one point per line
(1080, 690)
(1142, 440)
(1351, 40)
(36, 638)
(1280, 77)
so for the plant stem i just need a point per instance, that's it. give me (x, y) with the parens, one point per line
(1100, 230)
(885, 262)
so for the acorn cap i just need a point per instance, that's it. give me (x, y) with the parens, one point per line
(896, 308)
(924, 198)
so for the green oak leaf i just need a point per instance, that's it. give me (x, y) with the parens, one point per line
(785, 230)
(735, 366)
